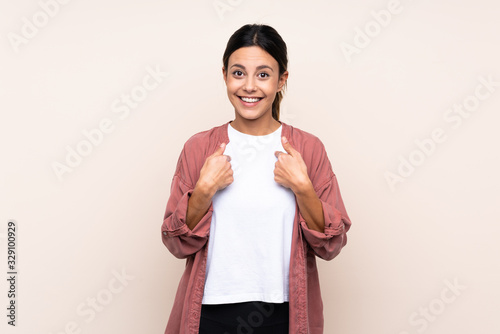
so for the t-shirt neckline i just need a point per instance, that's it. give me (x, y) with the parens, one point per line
(249, 135)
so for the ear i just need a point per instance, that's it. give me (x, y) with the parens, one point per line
(282, 80)
(224, 74)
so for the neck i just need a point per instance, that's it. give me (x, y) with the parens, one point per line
(255, 127)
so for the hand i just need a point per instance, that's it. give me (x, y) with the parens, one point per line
(290, 170)
(216, 172)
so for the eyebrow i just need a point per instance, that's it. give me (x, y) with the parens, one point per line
(258, 67)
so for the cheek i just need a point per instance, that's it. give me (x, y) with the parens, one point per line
(270, 89)
(232, 85)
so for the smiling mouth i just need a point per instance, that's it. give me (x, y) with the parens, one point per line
(250, 99)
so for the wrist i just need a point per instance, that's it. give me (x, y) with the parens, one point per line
(204, 189)
(304, 187)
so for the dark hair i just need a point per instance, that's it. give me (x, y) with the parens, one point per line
(269, 40)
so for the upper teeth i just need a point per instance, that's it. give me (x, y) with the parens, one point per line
(247, 99)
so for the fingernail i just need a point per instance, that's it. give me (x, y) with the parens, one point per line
(285, 140)
(222, 144)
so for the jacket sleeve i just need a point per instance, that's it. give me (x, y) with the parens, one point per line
(327, 244)
(180, 240)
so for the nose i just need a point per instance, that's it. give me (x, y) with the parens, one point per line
(249, 85)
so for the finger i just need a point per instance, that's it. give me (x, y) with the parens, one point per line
(277, 154)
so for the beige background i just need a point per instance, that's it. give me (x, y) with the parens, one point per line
(408, 243)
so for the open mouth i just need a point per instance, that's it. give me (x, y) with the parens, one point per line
(250, 100)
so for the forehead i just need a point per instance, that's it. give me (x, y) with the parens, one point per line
(252, 56)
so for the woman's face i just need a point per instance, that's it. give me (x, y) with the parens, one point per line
(252, 81)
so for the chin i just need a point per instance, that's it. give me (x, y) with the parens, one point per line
(248, 116)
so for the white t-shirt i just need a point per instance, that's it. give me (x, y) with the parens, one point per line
(251, 227)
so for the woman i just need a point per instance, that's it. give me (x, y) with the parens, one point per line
(252, 203)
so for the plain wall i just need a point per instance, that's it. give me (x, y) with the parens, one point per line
(405, 111)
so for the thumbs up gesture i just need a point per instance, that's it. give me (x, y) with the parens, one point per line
(290, 170)
(216, 173)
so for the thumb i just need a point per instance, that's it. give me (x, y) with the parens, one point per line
(287, 146)
(220, 149)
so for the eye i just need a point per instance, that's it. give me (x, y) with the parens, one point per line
(263, 75)
(238, 73)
